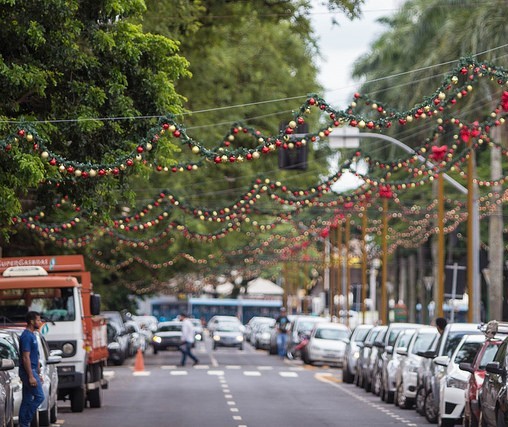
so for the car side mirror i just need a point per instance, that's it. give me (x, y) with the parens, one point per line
(54, 359)
(379, 344)
(95, 304)
(429, 354)
(360, 344)
(402, 351)
(442, 361)
(6, 364)
(464, 366)
(389, 349)
(495, 368)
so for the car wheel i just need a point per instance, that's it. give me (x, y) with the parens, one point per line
(430, 409)
(95, 395)
(420, 401)
(53, 415)
(215, 346)
(389, 396)
(367, 384)
(376, 387)
(347, 376)
(500, 419)
(402, 401)
(240, 347)
(155, 351)
(445, 422)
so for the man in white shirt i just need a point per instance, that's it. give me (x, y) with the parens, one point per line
(187, 340)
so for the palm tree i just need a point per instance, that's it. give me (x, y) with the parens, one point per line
(429, 35)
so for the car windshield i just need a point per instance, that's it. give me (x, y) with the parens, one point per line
(228, 327)
(360, 334)
(423, 342)
(306, 325)
(453, 341)
(394, 333)
(54, 304)
(467, 352)
(331, 334)
(404, 339)
(170, 328)
(488, 355)
(8, 350)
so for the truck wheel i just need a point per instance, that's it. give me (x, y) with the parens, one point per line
(44, 418)
(53, 415)
(35, 420)
(95, 395)
(78, 399)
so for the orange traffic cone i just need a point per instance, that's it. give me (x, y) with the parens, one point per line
(139, 364)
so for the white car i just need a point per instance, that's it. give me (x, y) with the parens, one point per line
(327, 343)
(454, 382)
(407, 373)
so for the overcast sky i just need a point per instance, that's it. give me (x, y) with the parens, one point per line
(342, 45)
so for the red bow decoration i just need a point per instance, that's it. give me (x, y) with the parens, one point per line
(348, 205)
(465, 134)
(325, 232)
(385, 192)
(504, 101)
(438, 153)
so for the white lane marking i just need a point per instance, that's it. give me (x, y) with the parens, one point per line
(237, 417)
(324, 379)
(202, 367)
(228, 396)
(233, 367)
(296, 368)
(215, 372)
(265, 368)
(288, 374)
(168, 366)
(252, 373)
(176, 373)
(141, 373)
(234, 409)
(231, 403)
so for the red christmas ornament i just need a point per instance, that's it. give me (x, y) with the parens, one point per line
(177, 133)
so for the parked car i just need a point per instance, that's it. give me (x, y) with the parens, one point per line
(256, 326)
(454, 381)
(383, 355)
(352, 352)
(493, 392)
(446, 345)
(477, 370)
(9, 349)
(136, 338)
(327, 344)
(262, 335)
(368, 356)
(118, 343)
(167, 336)
(6, 389)
(228, 334)
(392, 362)
(407, 373)
(252, 324)
(301, 325)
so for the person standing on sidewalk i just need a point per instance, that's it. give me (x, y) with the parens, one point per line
(187, 340)
(30, 370)
(282, 324)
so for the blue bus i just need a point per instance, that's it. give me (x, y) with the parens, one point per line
(206, 308)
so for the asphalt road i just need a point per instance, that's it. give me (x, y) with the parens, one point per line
(233, 388)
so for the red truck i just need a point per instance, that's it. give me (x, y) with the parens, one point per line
(60, 288)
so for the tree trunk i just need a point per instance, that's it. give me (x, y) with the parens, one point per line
(496, 249)
(411, 290)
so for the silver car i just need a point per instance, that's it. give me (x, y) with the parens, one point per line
(407, 373)
(352, 353)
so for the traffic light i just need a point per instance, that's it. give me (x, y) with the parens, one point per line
(294, 158)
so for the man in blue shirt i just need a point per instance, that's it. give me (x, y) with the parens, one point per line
(30, 370)
(282, 324)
